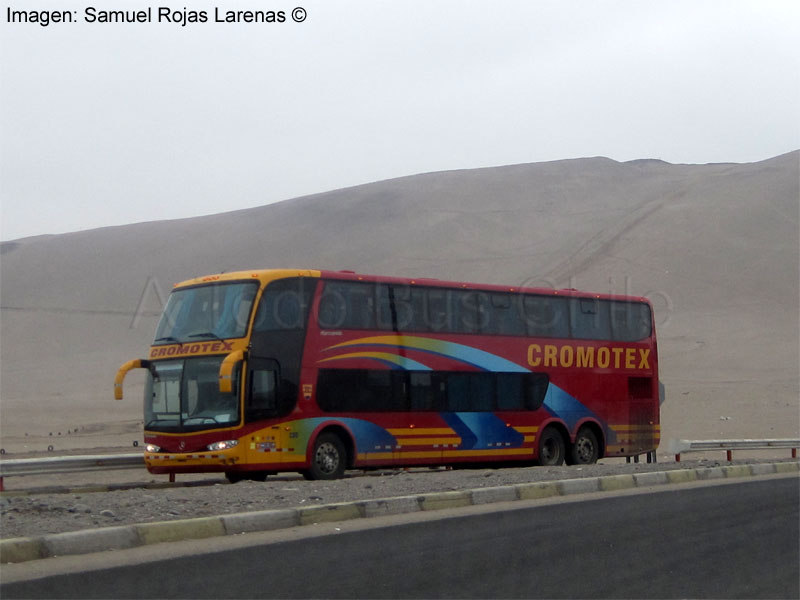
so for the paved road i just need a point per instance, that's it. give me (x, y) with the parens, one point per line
(737, 540)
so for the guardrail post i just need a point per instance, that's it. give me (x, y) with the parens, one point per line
(729, 454)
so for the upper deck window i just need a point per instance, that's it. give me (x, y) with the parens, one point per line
(423, 309)
(284, 305)
(216, 311)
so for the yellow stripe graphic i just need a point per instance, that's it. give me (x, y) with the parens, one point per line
(635, 427)
(447, 453)
(422, 431)
(375, 456)
(429, 441)
(506, 452)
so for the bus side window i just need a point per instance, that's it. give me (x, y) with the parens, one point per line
(465, 306)
(545, 316)
(470, 392)
(438, 315)
(630, 321)
(403, 312)
(427, 391)
(284, 305)
(536, 385)
(590, 319)
(504, 319)
(509, 392)
(349, 305)
(386, 312)
(332, 307)
(262, 390)
(521, 391)
(642, 321)
(360, 306)
(418, 305)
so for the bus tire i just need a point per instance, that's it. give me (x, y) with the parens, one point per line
(328, 459)
(551, 448)
(585, 450)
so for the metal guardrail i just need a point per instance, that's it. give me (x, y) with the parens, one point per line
(678, 447)
(68, 464)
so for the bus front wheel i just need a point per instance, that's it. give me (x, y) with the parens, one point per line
(551, 448)
(585, 450)
(328, 459)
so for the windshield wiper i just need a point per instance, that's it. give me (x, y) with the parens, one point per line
(168, 338)
(208, 334)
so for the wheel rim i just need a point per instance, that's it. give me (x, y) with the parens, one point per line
(327, 458)
(549, 451)
(584, 450)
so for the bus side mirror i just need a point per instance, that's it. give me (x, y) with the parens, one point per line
(136, 363)
(226, 371)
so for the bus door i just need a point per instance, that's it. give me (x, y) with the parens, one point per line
(272, 444)
(643, 415)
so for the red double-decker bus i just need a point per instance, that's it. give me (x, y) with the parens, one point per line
(257, 372)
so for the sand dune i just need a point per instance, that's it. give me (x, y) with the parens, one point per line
(714, 246)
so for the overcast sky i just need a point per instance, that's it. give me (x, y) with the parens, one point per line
(109, 123)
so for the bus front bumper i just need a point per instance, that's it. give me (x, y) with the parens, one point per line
(192, 462)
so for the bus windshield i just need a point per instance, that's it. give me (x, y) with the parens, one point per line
(216, 311)
(183, 395)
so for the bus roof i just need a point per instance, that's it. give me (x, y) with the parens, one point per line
(264, 276)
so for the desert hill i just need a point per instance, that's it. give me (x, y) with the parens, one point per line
(714, 246)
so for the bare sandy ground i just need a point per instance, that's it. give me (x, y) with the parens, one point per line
(96, 438)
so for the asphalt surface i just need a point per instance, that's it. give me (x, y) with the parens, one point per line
(734, 540)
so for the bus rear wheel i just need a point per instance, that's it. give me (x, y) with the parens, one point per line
(585, 450)
(328, 459)
(551, 448)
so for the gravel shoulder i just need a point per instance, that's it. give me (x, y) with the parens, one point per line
(47, 511)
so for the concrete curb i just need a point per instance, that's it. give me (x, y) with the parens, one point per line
(17, 550)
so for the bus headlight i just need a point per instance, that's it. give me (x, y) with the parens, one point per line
(152, 448)
(225, 445)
